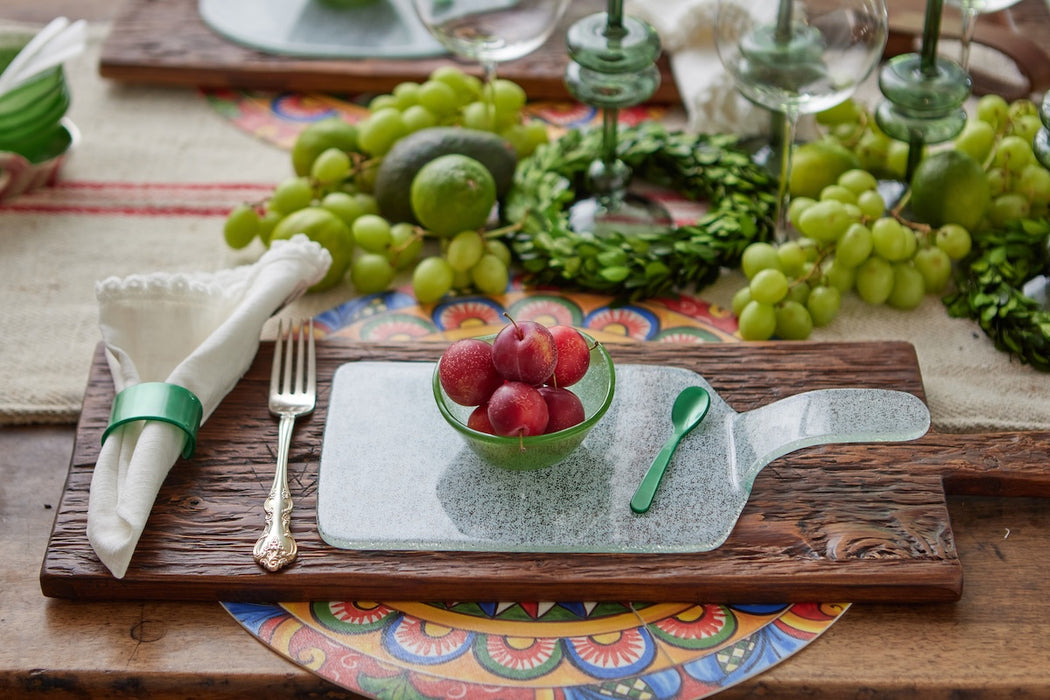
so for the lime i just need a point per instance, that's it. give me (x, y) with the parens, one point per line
(453, 193)
(949, 187)
(327, 229)
(817, 164)
(331, 132)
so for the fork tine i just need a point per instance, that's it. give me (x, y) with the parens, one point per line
(286, 380)
(311, 362)
(275, 371)
(300, 362)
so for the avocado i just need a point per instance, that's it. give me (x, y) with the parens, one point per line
(393, 183)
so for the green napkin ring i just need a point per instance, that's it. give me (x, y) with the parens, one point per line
(161, 401)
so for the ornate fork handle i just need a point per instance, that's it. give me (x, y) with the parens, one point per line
(276, 549)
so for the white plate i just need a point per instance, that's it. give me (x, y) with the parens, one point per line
(312, 29)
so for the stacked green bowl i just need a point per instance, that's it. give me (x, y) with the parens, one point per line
(31, 114)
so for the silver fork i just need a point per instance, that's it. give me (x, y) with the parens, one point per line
(276, 548)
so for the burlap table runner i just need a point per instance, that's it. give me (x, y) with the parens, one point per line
(143, 191)
(146, 189)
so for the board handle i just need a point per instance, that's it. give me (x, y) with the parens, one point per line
(992, 464)
(819, 417)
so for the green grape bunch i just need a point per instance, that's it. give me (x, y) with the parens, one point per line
(332, 196)
(847, 242)
(450, 97)
(850, 241)
(1001, 139)
(999, 136)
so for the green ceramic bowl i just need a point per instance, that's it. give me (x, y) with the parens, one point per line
(595, 391)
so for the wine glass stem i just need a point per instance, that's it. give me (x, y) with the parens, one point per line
(488, 77)
(787, 142)
(915, 145)
(931, 30)
(784, 12)
(610, 122)
(969, 26)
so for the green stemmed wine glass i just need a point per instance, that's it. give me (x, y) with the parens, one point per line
(971, 9)
(798, 57)
(491, 31)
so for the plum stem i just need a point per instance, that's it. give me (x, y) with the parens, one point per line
(517, 328)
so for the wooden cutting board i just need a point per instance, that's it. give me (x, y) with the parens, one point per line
(166, 42)
(863, 522)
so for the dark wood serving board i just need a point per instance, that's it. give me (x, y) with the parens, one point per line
(839, 522)
(166, 42)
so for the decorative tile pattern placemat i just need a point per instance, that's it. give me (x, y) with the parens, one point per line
(279, 117)
(395, 315)
(533, 649)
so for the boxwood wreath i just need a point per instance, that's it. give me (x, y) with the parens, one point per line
(989, 289)
(742, 199)
(711, 168)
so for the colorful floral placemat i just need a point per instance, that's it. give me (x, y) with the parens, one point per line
(533, 650)
(395, 315)
(279, 117)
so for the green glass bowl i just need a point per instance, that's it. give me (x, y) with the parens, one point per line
(37, 117)
(24, 173)
(595, 391)
(31, 113)
(47, 145)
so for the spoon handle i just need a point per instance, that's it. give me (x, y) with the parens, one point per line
(643, 497)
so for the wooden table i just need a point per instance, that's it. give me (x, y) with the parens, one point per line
(991, 644)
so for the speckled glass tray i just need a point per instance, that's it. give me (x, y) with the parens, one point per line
(395, 476)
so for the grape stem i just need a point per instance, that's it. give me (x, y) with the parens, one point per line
(896, 211)
(360, 162)
(418, 234)
(815, 271)
(914, 225)
(503, 230)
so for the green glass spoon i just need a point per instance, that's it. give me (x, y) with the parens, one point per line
(689, 409)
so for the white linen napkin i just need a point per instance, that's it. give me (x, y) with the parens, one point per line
(711, 102)
(200, 331)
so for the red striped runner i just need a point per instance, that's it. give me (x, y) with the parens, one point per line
(96, 198)
(138, 199)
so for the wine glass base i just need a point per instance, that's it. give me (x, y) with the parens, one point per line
(1041, 145)
(1038, 290)
(892, 191)
(631, 214)
(764, 153)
